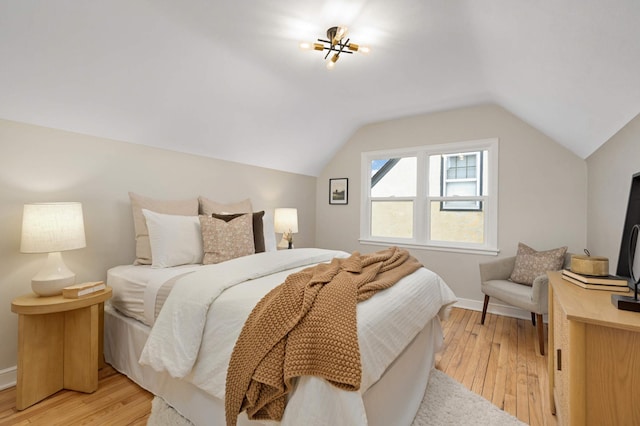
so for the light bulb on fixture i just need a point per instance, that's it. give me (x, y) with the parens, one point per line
(357, 48)
(332, 62)
(340, 33)
(304, 45)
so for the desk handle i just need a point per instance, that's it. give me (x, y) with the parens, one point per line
(559, 359)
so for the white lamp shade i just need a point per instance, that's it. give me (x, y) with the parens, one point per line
(52, 227)
(285, 220)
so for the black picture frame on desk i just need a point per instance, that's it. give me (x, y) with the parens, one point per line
(339, 191)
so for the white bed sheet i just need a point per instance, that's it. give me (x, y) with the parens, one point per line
(135, 288)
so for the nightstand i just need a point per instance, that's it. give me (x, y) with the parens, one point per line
(59, 344)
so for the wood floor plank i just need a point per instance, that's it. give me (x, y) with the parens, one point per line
(511, 382)
(452, 354)
(508, 371)
(490, 374)
(484, 352)
(522, 406)
(502, 367)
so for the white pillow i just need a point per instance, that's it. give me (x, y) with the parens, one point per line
(175, 240)
(269, 232)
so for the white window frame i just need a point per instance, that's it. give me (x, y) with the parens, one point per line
(421, 218)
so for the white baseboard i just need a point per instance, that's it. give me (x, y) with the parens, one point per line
(495, 308)
(8, 377)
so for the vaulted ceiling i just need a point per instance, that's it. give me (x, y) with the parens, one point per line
(226, 79)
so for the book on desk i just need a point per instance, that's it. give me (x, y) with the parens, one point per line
(593, 279)
(616, 284)
(77, 291)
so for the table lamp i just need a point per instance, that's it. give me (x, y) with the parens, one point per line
(286, 222)
(52, 228)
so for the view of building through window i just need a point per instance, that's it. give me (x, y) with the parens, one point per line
(393, 184)
(429, 197)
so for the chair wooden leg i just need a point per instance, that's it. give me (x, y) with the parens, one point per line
(533, 319)
(540, 328)
(484, 308)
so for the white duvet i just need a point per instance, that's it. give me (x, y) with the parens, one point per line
(194, 335)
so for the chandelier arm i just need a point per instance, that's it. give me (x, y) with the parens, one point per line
(329, 49)
(342, 46)
(332, 47)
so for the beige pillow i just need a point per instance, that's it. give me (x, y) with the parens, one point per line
(531, 263)
(208, 207)
(224, 240)
(138, 202)
(258, 227)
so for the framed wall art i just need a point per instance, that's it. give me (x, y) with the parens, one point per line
(339, 191)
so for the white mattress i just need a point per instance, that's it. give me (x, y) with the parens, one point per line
(135, 288)
(394, 399)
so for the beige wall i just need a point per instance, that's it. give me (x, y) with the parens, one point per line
(542, 188)
(609, 173)
(40, 164)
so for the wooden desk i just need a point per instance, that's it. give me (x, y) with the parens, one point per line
(59, 344)
(594, 359)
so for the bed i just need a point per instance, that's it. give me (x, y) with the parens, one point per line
(398, 331)
(397, 345)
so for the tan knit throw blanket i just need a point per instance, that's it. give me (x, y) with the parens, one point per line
(313, 315)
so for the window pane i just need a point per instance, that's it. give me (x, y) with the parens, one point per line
(435, 175)
(392, 219)
(394, 177)
(461, 205)
(456, 226)
(461, 188)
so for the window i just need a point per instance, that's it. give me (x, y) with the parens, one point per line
(437, 196)
(460, 177)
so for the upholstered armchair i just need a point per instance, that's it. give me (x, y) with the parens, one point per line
(495, 279)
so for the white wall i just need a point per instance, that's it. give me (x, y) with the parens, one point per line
(609, 172)
(542, 188)
(40, 164)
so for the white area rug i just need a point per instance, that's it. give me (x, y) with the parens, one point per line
(446, 403)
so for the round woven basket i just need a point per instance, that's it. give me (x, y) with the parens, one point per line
(590, 265)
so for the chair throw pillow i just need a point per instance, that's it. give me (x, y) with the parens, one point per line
(531, 263)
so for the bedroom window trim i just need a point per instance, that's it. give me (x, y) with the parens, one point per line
(421, 220)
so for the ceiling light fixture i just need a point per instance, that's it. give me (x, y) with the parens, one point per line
(334, 43)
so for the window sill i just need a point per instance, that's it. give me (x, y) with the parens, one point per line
(430, 247)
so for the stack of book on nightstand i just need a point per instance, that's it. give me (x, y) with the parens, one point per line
(591, 282)
(80, 290)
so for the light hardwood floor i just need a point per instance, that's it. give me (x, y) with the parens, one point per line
(499, 361)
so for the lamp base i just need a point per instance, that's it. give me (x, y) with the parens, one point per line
(284, 243)
(53, 277)
(625, 303)
(51, 287)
